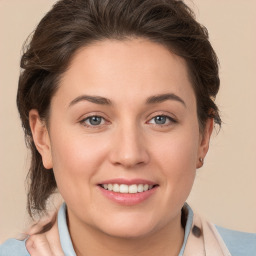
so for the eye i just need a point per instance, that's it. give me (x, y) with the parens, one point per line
(93, 121)
(162, 120)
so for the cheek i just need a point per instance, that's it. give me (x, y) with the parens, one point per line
(76, 159)
(177, 158)
(179, 148)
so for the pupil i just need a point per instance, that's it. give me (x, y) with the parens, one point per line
(160, 119)
(95, 120)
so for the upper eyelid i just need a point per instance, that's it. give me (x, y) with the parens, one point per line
(171, 119)
(86, 118)
(162, 113)
(92, 114)
(105, 122)
(170, 116)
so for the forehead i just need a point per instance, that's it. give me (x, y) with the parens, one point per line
(129, 69)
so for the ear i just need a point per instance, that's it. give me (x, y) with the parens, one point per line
(204, 141)
(41, 138)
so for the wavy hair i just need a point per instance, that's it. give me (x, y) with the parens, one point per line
(72, 24)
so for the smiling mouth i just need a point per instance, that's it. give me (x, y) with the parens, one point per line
(128, 189)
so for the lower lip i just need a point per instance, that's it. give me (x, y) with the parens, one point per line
(127, 198)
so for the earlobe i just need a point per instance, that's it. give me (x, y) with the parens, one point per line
(41, 138)
(204, 141)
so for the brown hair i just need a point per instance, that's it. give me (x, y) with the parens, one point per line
(71, 24)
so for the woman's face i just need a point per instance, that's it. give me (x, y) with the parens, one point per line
(125, 114)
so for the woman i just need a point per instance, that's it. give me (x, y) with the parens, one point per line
(117, 103)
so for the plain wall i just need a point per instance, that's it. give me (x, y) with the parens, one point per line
(224, 190)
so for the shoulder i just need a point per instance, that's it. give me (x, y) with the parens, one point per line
(238, 243)
(13, 247)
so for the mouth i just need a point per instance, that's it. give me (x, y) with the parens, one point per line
(127, 189)
(128, 192)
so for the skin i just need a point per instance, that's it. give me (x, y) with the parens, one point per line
(127, 143)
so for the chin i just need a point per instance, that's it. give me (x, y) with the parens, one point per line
(129, 228)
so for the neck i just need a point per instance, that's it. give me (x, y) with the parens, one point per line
(88, 241)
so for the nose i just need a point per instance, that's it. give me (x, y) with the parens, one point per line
(128, 148)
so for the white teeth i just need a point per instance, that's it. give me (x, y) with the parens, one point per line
(145, 187)
(133, 189)
(116, 188)
(140, 188)
(123, 188)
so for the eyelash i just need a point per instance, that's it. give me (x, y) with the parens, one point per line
(171, 120)
(83, 122)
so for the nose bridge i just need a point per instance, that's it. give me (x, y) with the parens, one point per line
(129, 148)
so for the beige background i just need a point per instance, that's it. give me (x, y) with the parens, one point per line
(225, 190)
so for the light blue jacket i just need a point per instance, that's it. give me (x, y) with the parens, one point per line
(238, 243)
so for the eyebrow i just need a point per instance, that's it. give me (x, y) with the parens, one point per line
(94, 99)
(163, 97)
(104, 101)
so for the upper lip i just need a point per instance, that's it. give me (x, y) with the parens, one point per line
(128, 181)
